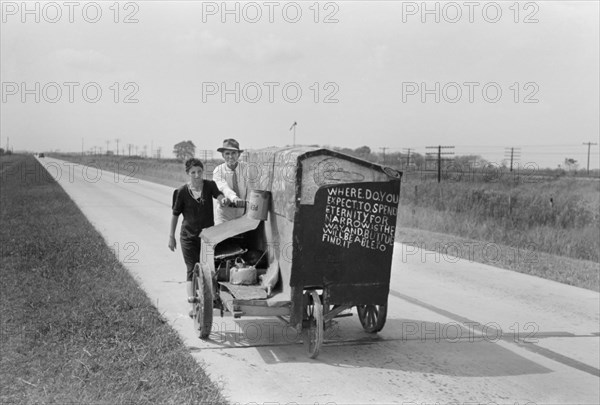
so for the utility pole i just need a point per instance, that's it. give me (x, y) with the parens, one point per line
(589, 145)
(107, 142)
(439, 158)
(383, 150)
(294, 125)
(407, 157)
(514, 155)
(117, 141)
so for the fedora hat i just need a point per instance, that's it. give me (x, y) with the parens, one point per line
(230, 144)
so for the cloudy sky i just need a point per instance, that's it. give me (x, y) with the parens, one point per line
(482, 76)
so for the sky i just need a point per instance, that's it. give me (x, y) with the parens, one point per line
(480, 76)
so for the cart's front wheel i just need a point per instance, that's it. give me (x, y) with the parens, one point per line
(203, 301)
(314, 332)
(372, 317)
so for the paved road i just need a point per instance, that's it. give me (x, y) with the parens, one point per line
(456, 332)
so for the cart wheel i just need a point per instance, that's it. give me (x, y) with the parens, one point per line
(203, 306)
(314, 333)
(372, 317)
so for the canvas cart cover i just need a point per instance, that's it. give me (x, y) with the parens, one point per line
(333, 217)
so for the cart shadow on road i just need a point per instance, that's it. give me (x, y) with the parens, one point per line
(407, 345)
(396, 350)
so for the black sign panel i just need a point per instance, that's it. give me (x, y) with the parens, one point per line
(345, 241)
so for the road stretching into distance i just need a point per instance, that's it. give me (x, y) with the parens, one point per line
(456, 331)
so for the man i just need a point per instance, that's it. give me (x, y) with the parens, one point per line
(231, 181)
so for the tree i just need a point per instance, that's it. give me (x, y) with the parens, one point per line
(363, 151)
(571, 164)
(184, 150)
(469, 160)
(417, 160)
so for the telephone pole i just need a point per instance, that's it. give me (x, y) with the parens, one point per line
(589, 145)
(439, 158)
(513, 154)
(407, 156)
(383, 150)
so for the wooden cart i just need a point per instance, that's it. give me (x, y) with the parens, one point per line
(328, 238)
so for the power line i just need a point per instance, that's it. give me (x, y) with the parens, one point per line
(512, 156)
(439, 157)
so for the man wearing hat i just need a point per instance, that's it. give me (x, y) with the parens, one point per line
(231, 181)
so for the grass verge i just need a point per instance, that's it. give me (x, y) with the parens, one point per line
(566, 270)
(75, 326)
(166, 172)
(560, 216)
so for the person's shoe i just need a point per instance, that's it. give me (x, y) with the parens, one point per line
(191, 313)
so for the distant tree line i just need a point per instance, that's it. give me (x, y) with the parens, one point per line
(408, 160)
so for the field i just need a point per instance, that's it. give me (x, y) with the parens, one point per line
(75, 326)
(540, 225)
(547, 226)
(559, 216)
